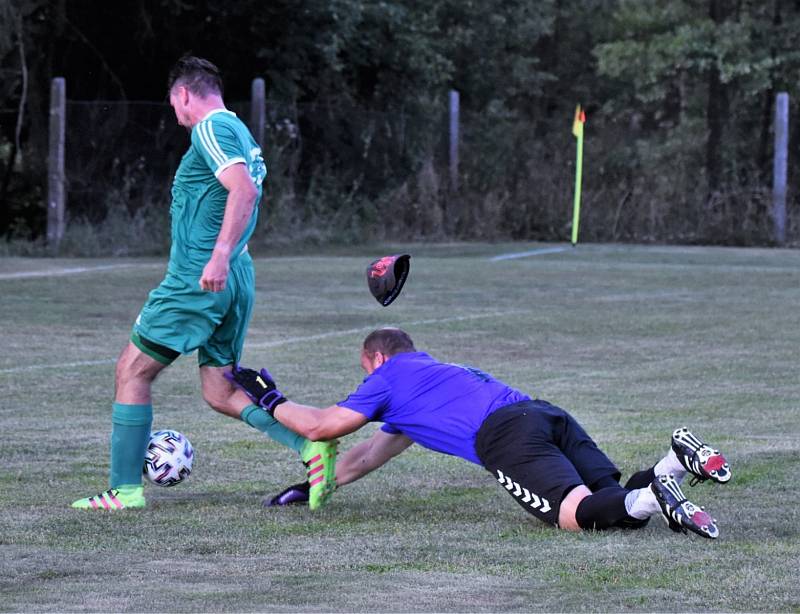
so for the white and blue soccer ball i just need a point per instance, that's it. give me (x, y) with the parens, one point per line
(168, 460)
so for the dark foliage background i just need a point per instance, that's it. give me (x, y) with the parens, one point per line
(679, 95)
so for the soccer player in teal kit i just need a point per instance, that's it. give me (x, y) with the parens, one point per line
(206, 299)
(537, 451)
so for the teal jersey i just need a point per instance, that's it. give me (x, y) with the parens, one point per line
(219, 141)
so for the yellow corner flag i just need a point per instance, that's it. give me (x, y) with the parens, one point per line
(577, 130)
(577, 124)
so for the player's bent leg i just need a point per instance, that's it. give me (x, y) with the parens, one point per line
(319, 457)
(569, 506)
(515, 445)
(225, 398)
(131, 419)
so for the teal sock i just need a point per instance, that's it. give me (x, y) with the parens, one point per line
(259, 419)
(130, 434)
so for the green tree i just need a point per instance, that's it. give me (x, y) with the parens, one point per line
(695, 88)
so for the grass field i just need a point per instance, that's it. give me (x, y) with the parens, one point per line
(634, 341)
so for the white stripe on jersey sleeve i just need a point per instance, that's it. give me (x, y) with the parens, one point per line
(210, 144)
(215, 142)
(228, 164)
(203, 136)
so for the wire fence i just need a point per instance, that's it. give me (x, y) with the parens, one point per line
(339, 172)
(119, 154)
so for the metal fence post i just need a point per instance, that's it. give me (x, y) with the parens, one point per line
(56, 194)
(454, 139)
(257, 111)
(780, 165)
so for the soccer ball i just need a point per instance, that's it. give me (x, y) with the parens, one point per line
(168, 460)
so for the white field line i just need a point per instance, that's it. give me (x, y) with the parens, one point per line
(535, 252)
(62, 365)
(75, 270)
(280, 342)
(370, 328)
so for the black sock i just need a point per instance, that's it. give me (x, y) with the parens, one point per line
(603, 509)
(608, 481)
(641, 479)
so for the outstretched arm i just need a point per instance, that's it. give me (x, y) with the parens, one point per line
(353, 464)
(319, 424)
(368, 455)
(311, 422)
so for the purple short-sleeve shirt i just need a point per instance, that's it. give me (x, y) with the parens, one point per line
(438, 405)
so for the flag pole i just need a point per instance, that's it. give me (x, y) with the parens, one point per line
(577, 130)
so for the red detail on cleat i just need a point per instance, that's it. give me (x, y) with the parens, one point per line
(316, 469)
(314, 460)
(94, 503)
(317, 481)
(116, 502)
(702, 519)
(104, 502)
(714, 463)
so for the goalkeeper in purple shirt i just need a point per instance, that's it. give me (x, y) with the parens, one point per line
(538, 452)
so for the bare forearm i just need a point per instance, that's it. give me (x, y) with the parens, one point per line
(354, 464)
(369, 455)
(302, 419)
(238, 210)
(319, 424)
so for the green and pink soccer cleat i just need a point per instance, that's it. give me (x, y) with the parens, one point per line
(319, 457)
(125, 497)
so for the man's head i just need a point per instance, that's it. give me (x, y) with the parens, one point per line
(193, 84)
(380, 345)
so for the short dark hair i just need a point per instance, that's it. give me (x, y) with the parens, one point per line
(199, 76)
(389, 341)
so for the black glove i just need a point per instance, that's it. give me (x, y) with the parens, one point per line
(260, 387)
(296, 494)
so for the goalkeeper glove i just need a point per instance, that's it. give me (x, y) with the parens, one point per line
(259, 386)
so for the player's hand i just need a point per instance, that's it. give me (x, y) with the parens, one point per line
(215, 274)
(259, 386)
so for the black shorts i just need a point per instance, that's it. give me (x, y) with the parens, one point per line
(539, 453)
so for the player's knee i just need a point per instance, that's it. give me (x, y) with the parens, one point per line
(216, 401)
(133, 367)
(567, 518)
(221, 402)
(220, 394)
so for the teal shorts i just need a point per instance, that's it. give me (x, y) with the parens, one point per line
(180, 317)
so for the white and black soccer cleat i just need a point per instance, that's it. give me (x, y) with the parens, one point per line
(680, 513)
(699, 459)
